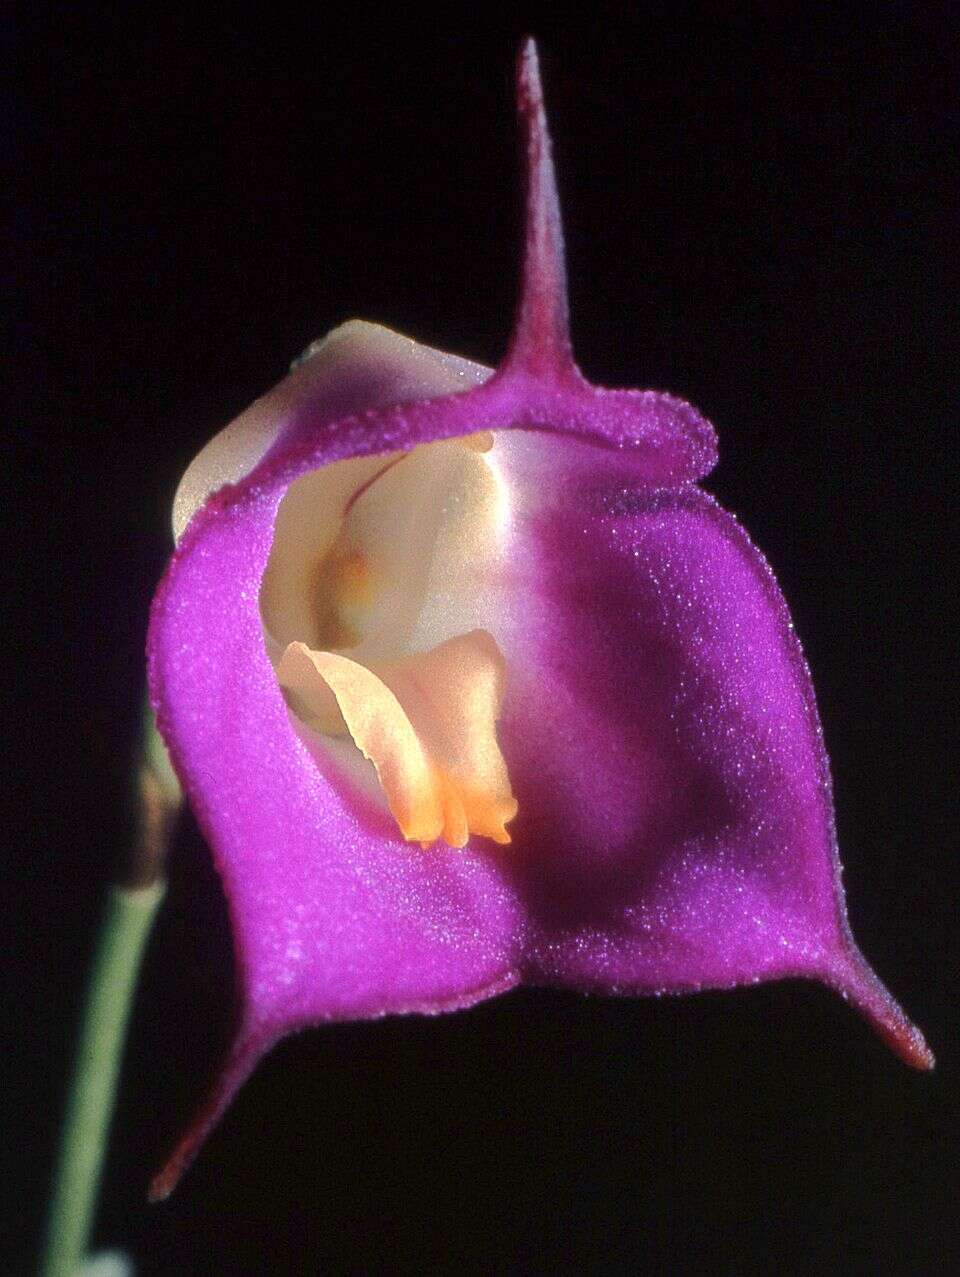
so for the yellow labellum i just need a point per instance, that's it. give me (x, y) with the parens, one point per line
(426, 722)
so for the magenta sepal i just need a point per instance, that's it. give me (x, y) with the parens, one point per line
(675, 827)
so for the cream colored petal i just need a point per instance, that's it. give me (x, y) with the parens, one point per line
(334, 693)
(470, 582)
(296, 600)
(358, 365)
(421, 525)
(427, 723)
(430, 533)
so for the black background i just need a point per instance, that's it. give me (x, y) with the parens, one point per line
(761, 208)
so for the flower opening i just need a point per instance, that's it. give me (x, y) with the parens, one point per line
(368, 604)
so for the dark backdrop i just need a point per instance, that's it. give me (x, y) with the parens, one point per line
(761, 213)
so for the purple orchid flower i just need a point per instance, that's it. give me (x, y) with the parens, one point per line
(417, 604)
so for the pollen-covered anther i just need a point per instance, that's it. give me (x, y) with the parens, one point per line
(427, 724)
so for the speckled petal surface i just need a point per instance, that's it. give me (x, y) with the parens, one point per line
(675, 825)
(679, 828)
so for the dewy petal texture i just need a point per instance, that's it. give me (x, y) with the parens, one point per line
(657, 729)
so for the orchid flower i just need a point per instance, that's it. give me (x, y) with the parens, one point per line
(470, 684)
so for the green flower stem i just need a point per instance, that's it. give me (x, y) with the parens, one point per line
(126, 927)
